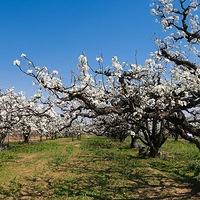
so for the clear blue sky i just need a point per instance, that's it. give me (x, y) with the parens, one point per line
(55, 32)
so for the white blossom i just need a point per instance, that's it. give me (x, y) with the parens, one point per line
(23, 55)
(55, 72)
(29, 71)
(16, 62)
(99, 59)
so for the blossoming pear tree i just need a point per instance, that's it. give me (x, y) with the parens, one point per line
(9, 111)
(155, 98)
(18, 114)
(180, 49)
(127, 92)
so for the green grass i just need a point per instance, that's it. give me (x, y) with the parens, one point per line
(98, 168)
(33, 148)
(59, 159)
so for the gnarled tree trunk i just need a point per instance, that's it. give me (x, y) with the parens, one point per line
(26, 138)
(153, 152)
(133, 141)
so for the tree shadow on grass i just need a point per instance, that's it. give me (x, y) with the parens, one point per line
(99, 187)
(181, 177)
(102, 181)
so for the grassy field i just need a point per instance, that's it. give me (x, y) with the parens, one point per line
(98, 168)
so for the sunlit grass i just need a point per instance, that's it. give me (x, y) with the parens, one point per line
(96, 168)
